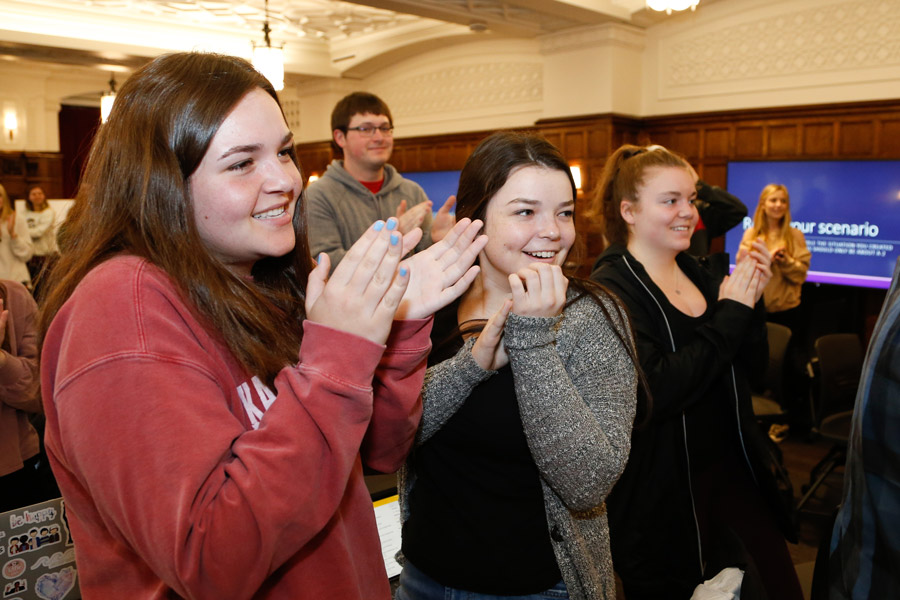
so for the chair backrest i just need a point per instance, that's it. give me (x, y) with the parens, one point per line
(779, 337)
(840, 358)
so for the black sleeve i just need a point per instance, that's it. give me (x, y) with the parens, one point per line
(719, 210)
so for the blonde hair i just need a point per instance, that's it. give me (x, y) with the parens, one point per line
(8, 207)
(761, 223)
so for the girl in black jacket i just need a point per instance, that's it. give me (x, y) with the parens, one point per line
(696, 495)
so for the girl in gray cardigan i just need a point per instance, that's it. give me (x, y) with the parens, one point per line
(528, 402)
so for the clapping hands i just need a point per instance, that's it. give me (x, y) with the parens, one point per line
(750, 277)
(371, 287)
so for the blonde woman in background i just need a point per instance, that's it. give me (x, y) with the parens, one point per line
(790, 256)
(41, 221)
(15, 243)
(790, 263)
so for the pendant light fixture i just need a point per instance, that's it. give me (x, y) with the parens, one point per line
(107, 99)
(267, 59)
(670, 5)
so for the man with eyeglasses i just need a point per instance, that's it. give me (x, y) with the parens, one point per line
(362, 188)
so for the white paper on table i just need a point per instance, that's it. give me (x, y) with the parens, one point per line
(387, 517)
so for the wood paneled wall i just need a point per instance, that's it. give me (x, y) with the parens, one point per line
(21, 170)
(869, 130)
(861, 130)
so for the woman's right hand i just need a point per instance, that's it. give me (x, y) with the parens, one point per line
(488, 351)
(363, 293)
(743, 285)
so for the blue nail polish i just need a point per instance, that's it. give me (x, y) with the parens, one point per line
(403, 271)
(379, 225)
(319, 259)
(392, 224)
(394, 239)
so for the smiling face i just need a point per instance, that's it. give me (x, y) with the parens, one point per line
(365, 157)
(664, 216)
(37, 198)
(530, 219)
(776, 205)
(245, 189)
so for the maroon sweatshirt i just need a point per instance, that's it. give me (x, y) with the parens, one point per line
(182, 473)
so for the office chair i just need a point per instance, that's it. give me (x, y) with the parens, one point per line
(769, 402)
(840, 360)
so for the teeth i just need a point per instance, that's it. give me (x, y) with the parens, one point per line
(680, 228)
(275, 212)
(542, 254)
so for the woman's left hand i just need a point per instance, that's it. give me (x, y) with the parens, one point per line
(539, 290)
(440, 274)
(760, 253)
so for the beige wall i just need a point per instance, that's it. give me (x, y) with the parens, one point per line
(758, 53)
(730, 54)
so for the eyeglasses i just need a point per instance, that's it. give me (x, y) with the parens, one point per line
(369, 130)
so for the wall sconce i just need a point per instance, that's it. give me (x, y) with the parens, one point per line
(312, 177)
(108, 99)
(10, 123)
(576, 175)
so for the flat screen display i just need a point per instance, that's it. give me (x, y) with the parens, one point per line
(849, 212)
(438, 185)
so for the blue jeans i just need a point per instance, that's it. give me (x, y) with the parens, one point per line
(416, 585)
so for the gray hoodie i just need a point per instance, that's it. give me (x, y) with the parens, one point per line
(340, 209)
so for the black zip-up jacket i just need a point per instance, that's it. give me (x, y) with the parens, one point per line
(704, 380)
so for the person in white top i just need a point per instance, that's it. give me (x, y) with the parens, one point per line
(15, 243)
(41, 221)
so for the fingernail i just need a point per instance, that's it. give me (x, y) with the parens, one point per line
(403, 271)
(394, 239)
(319, 259)
(392, 224)
(379, 225)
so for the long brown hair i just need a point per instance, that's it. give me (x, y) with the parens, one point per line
(29, 204)
(134, 198)
(761, 223)
(622, 175)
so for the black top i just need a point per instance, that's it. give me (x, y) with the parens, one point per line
(698, 370)
(476, 514)
(711, 438)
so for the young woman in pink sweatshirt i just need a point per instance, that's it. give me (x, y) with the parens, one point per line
(211, 394)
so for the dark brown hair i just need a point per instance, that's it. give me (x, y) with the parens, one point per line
(28, 198)
(357, 103)
(134, 198)
(622, 175)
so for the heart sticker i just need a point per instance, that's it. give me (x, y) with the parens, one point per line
(55, 586)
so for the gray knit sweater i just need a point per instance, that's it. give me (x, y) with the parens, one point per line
(340, 209)
(576, 388)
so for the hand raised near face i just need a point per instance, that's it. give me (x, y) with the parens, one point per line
(489, 351)
(538, 290)
(441, 273)
(363, 293)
